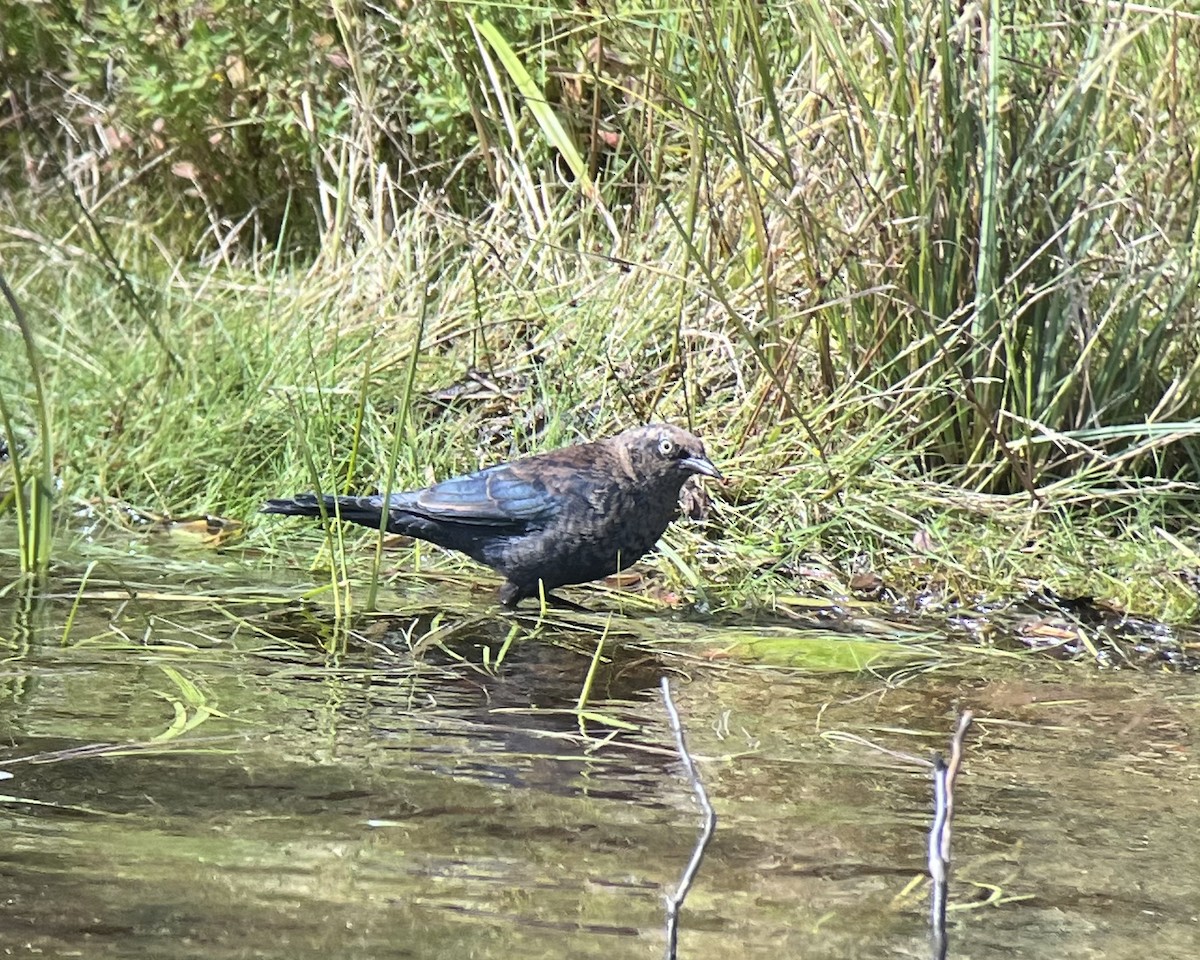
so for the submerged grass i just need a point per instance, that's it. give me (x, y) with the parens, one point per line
(922, 294)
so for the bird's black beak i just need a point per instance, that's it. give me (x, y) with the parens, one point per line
(701, 465)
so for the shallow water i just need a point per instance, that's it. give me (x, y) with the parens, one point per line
(194, 775)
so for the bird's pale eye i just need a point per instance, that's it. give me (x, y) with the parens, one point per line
(666, 446)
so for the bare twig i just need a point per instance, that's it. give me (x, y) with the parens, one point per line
(944, 776)
(675, 900)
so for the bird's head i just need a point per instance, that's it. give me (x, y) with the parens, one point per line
(663, 450)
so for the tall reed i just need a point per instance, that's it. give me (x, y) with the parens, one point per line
(33, 474)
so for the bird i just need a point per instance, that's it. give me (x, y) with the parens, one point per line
(567, 516)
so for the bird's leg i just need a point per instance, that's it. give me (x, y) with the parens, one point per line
(510, 594)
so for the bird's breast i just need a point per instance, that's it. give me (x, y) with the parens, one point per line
(597, 529)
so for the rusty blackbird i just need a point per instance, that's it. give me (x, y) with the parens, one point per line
(568, 516)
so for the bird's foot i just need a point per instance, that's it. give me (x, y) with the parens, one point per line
(561, 603)
(511, 595)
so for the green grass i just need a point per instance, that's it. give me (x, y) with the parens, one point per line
(275, 402)
(925, 297)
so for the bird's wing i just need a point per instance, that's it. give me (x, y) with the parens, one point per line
(496, 497)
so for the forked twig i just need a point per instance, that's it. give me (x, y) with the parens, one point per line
(944, 776)
(675, 900)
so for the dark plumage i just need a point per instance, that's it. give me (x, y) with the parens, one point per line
(568, 516)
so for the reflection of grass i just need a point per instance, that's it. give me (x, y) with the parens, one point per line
(50, 804)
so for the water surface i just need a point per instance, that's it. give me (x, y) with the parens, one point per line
(194, 774)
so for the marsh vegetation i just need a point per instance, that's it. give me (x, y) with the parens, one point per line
(924, 279)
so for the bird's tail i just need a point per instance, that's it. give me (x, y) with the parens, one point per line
(361, 510)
